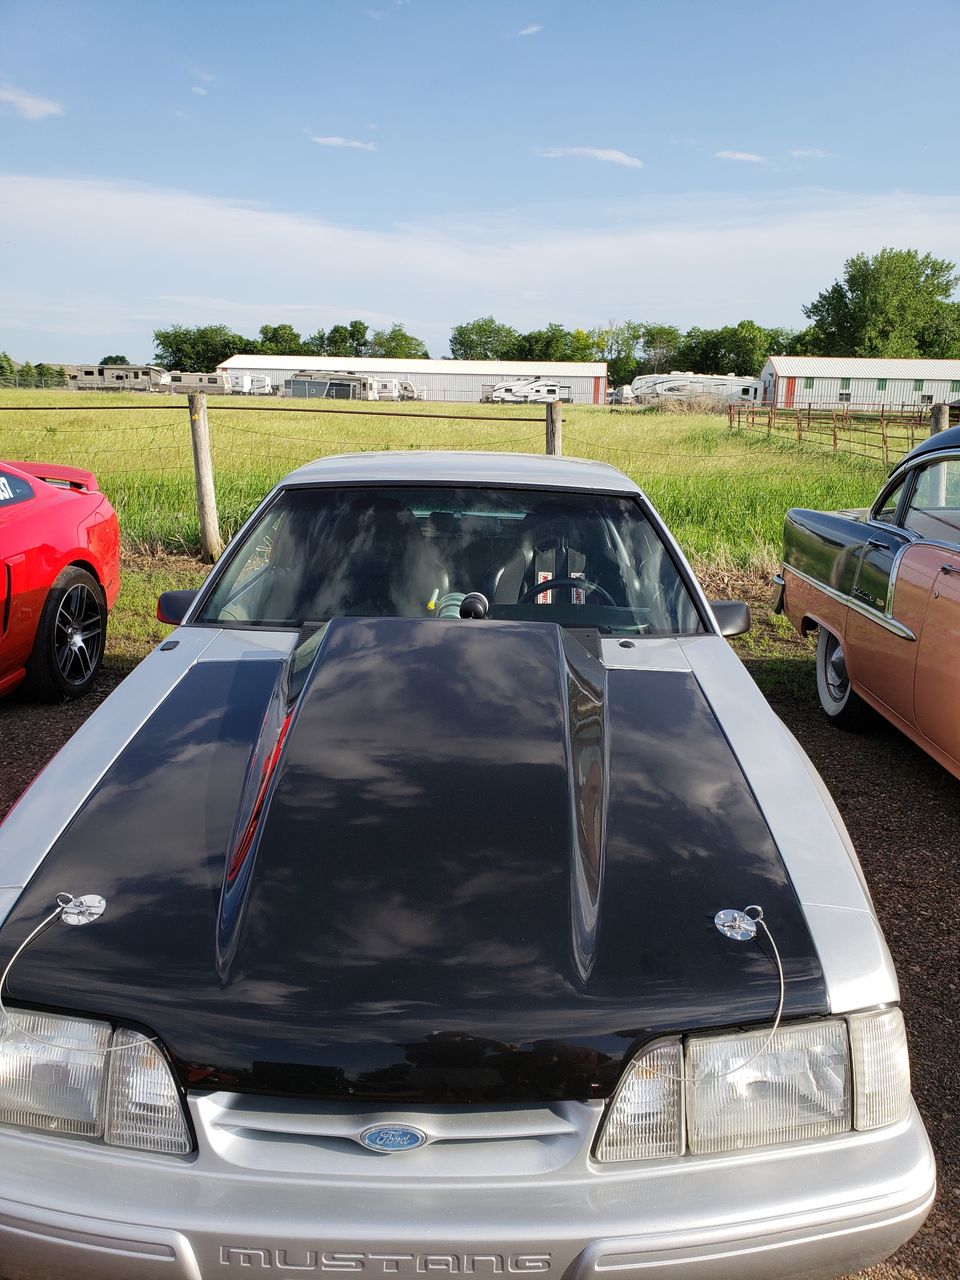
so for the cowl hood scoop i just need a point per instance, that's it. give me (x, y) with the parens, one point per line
(445, 862)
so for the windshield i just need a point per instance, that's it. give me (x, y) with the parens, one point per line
(579, 559)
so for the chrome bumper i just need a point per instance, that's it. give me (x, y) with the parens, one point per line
(812, 1211)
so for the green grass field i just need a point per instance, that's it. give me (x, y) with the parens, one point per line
(723, 494)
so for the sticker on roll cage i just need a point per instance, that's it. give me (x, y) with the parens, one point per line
(577, 594)
(545, 597)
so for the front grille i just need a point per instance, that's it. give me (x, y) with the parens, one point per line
(300, 1136)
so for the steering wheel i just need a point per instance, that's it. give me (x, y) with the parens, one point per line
(582, 584)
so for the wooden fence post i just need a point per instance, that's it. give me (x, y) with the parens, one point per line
(939, 418)
(210, 542)
(554, 427)
(730, 416)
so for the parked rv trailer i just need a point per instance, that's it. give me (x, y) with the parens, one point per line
(531, 391)
(250, 384)
(215, 384)
(398, 389)
(724, 388)
(311, 384)
(118, 377)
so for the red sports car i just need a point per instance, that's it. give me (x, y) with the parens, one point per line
(59, 576)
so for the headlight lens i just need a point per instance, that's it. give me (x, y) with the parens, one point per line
(59, 1089)
(881, 1068)
(143, 1106)
(645, 1120)
(797, 1088)
(66, 1082)
(812, 1081)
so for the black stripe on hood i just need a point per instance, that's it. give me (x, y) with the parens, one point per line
(486, 869)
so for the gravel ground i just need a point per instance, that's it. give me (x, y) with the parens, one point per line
(903, 812)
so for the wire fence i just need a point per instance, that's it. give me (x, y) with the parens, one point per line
(880, 433)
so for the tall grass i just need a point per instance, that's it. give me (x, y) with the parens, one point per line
(724, 494)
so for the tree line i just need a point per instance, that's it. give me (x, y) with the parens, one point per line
(30, 375)
(897, 303)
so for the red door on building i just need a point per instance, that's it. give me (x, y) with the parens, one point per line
(790, 393)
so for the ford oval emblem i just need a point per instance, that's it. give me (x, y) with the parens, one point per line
(388, 1138)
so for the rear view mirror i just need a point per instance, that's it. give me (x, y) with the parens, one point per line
(733, 616)
(173, 605)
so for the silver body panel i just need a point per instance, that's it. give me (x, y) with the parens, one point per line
(99, 1214)
(808, 831)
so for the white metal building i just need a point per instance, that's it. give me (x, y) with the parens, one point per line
(792, 381)
(457, 380)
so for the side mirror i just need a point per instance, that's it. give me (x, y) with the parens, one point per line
(173, 605)
(733, 616)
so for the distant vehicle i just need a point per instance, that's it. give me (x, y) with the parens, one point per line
(311, 384)
(531, 391)
(621, 395)
(398, 389)
(250, 384)
(725, 388)
(119, 377)
(60, 548)
(215, 384)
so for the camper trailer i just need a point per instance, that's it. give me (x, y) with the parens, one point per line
(250, 384)
(310, 384)
(398, 389)
(724, 388)
(215, 384)
(531, 391)
(118, 377)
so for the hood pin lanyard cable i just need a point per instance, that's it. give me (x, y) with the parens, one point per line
(740, 926)
(73, 911)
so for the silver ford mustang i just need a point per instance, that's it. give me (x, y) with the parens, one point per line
(442, 896)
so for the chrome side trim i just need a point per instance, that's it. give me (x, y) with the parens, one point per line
(808, 831)
(882, 619)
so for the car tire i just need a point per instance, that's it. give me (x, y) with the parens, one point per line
(68, 649)
(841, 705)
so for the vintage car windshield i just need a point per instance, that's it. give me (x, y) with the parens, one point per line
(324, 552)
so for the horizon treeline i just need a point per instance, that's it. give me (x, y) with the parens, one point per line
(896, 303)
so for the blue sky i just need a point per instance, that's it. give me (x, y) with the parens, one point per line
(430, 161)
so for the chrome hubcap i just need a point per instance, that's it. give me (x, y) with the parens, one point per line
(78, 634)
(835, 670)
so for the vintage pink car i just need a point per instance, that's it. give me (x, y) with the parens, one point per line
(883, 587)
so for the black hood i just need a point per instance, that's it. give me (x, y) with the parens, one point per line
(462, 863)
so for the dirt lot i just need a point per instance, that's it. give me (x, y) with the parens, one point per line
(904, 815)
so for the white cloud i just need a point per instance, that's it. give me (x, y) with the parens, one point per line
(375, 14)
(28, 105)
(201, 93)
(810, 153)
(199, 74)
(609, 154)
(701, 259)
(344, 142)
(531, 30)
(749, 157)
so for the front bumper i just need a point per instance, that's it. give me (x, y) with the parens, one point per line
(808, 1212)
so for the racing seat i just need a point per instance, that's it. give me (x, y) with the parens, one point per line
(553, 544)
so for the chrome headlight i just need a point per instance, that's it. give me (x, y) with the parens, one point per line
(812, 1080)
(60, 1075)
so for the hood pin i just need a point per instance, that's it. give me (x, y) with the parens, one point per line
(738, 925)
(82, 910)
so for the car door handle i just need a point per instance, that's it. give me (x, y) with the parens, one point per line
(950, 568)
(878, 542)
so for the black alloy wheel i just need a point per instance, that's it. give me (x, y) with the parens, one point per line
(68, 650)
